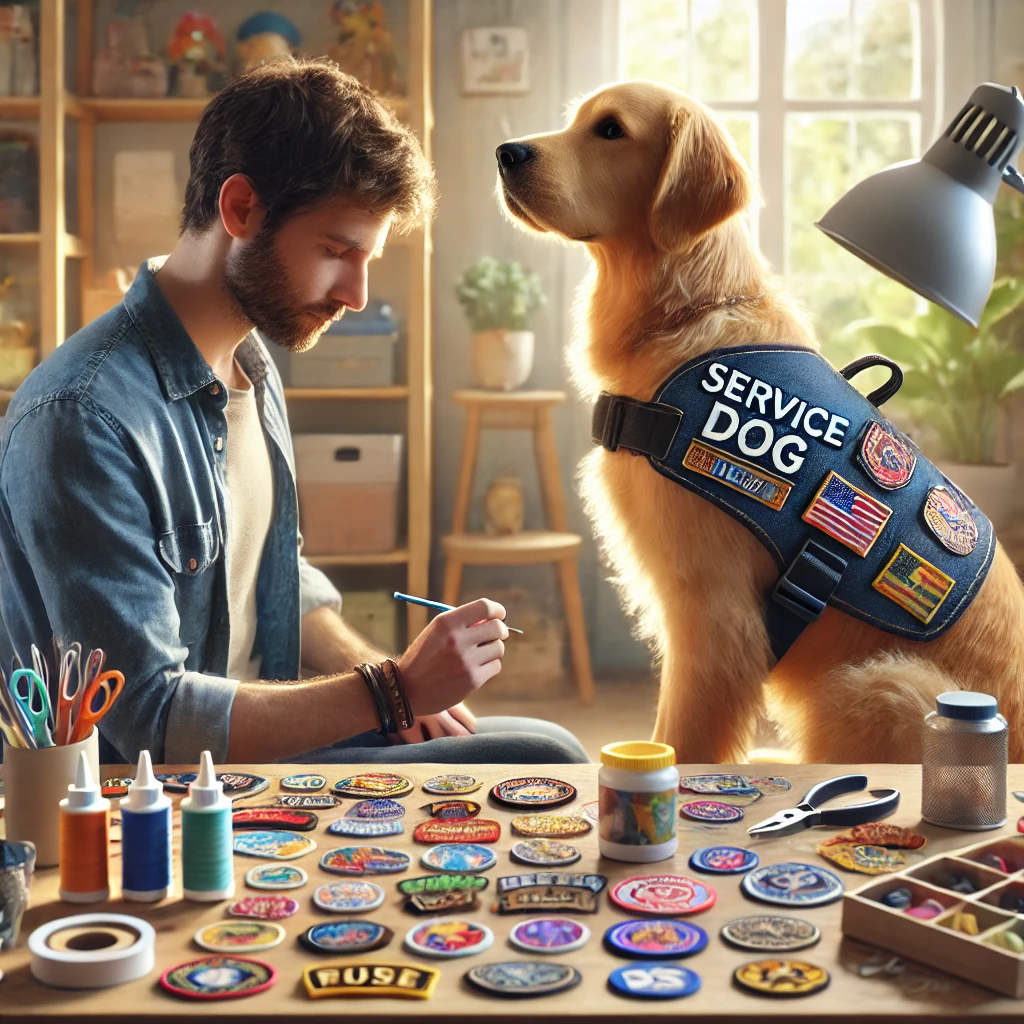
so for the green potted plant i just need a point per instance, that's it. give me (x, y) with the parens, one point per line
(498, 298)
(955, 378)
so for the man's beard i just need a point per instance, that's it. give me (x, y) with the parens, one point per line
(256, 279)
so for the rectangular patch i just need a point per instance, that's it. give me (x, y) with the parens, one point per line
(735, 473)
(846, 513)
(914, 584)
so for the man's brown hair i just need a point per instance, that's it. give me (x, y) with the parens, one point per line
(302, 131)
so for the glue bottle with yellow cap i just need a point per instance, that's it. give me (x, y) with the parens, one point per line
(637, 789)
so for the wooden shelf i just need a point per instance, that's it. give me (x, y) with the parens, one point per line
(397, 557)
(527, 548)
(397, 392)
(26, 108)
(73, 246)
(176, 108)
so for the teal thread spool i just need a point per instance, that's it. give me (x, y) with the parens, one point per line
(207, 841)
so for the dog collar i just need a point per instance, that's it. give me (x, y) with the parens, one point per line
(850, 510)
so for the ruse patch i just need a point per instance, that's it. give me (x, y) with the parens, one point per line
(370, 979)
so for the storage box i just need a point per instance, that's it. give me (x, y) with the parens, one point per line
(348, 492)
(933, 942)
(374, 614)
(345, 361)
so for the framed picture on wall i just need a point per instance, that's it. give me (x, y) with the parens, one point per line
(495, 61)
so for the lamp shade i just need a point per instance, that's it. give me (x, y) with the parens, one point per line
(928, 223)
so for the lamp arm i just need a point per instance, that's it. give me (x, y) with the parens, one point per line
(1012, 177)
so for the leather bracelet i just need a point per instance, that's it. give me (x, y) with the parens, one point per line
(378, 694)
(396, 692)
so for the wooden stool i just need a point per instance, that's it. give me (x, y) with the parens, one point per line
(520, 410)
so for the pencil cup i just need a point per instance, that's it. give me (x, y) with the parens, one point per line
(35, 782)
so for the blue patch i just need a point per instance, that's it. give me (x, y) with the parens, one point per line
(654, 981)
(723, 860)
(365, 829)
(655, 939)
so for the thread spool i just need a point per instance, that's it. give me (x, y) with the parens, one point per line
(84, 832)
(145, 837)
(207, 838)
(92, 951)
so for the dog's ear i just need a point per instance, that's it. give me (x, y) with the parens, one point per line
(703, 182)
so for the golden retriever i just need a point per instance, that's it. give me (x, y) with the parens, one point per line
(652, 185)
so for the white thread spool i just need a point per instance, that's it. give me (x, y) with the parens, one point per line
(102, 950)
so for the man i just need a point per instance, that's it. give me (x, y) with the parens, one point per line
(147, 492)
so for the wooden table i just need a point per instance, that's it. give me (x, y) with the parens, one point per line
(919, 993)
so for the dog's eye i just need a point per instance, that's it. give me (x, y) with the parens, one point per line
(609, 128)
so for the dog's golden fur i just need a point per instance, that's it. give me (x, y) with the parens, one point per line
(659, 210)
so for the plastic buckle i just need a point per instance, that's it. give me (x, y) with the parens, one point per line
(796, 600)
(816, 567)
(611, 429)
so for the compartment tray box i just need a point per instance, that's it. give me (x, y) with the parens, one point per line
(974, 958)
(345, 361)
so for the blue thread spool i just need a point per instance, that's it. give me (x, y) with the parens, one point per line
(207, 840)
(145, 837)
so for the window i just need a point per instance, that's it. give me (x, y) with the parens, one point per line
(818, 94)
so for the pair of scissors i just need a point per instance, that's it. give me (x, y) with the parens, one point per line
(77, 711)
(15, 728)
(68, 701)
(809, 813)
(34, 703)
(109, 684)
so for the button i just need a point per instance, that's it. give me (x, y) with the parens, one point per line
(218, 443)
(214, 389)
(192, 565)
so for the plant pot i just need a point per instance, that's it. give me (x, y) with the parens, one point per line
(502, 360)
(991, 488)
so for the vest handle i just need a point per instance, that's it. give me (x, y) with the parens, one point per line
(881, 395)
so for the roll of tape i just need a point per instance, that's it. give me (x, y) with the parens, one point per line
(92, 951)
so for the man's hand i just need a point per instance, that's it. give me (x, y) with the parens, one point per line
(454, 656)
(456, 721)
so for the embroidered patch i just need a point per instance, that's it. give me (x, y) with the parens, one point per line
(370, 979)
(735, 473)
(950, 521)
(846, 513)
(914, 584)
(886, 458)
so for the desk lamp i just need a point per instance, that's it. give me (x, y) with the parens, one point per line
(928, 223)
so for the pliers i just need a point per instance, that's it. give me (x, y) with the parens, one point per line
(807, 813)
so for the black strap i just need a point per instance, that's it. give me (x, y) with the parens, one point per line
(645, 427)
(881, 395)
(800, 596)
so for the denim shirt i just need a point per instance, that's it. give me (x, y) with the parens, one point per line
(112, 524)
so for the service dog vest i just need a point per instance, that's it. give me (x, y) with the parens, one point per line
(852, 512)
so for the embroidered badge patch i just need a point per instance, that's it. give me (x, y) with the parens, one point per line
(735, 473)
(474, 830)
(549, 890)
(435, 903)
(370, 979)
(315, 801)
(951, 523)
(274, 817)
(887, 459)
(914, 584)
(847, 513)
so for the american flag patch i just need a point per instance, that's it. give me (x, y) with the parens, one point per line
(848, 514)
(914, 584)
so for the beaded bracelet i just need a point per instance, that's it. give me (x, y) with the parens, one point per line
(378, 694)
(396, 691)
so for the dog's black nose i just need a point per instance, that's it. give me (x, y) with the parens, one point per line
(511, 154)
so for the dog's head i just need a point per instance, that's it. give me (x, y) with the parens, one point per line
(639, 163)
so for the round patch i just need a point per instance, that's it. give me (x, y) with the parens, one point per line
(886, 458)
(372, 784)
(239, 936)
(448, 937)
(663, 894)
(476, 830)
(451, 785)
(379, 809)
(303, 783)
(771, 785)
(710, 810)
(523, 978)
(273, 844)
(533, 792)
(266, 908)
(723, 860)
(771, 933)
(346, 937)
(953, 525)
(218, 977)
(782, 977)
(551, 826)
(234, 783)
(364, 860)
(654, 981)
(712, 785)
(793, 884)
(549, 935)
(464, 858)
(348, 897)
(545, 853)
(658, 939)
(276, 876)
(363, 829)
(591, 810)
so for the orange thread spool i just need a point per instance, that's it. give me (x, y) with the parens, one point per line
(84, 840)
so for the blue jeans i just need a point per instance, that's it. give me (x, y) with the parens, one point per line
(498, 740)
